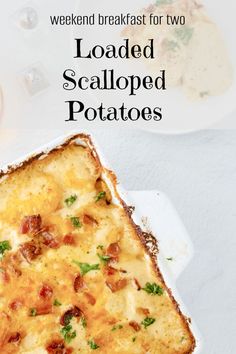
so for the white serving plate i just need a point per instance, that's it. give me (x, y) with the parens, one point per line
(156, 215)
(181, 115)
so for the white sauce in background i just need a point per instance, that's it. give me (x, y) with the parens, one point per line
(194, 56)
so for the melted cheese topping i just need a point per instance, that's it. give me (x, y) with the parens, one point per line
(111, 319)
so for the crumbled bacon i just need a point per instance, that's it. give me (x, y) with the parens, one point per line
(135, 325)
(4, 276)
(67, 316)
(91, 299)
(15, 270)
(117, 285)
(15, 305)
(14, 338)
(31, 224)
(143, 311)
(58, 347)
(89, 220)
(69, 239)
(46, 292)
(48, 239)
(113, 250)
(78, 283)
(14, 264)
(137, 284)
(30, 250)
(110, 270)
(44, 309)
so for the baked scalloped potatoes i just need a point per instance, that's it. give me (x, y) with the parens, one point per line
(76, 274)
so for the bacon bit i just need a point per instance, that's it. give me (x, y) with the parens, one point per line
(46, 292)
(16, 271)
(30, 250)
(118, 285)
(14, 263)
(110, 270)
(43, 309)
(69, 240)
(14, 338)
(5, 276)
(15, 305)
(135, 325)
(78, 283)
(113, 250)
(90, 298)
(143, 311)
(137, 284)
(31, 224)
(89, 220)
(49, 240)
(56, 347)
(67, 316)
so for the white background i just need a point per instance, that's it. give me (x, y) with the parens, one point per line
(197, 171)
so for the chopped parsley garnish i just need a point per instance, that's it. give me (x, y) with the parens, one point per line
(114, 328)
(4, 246)
(67, 318)
(92, 344)
(184, 34)
(84, 322)
(171, 45)
(104, 258)
(33, 312)
(75, 221)
(56, 303)
(148, 321)
(134, 339)
(100, 196)
(85, 267)
(170, 259)
(153, 289)
(69, 201)
(100, 247)
(67, 333)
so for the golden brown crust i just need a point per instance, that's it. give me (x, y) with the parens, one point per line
(147, 240)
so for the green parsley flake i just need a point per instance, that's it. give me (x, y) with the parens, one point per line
(103, 258)
(84, 322)
(67, 333)
(75, 221)
(33, 312)
(4, 246)
(93, 345)
(114, 328)
(184, 34)
(171, 45)
(170, 259)
(134, 339)
(148, 321)
(100, 247)
(153, 289)
(85, 267)
(100, 196)
(69, 201)
(57, 303)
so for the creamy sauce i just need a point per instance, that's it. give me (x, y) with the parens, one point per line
(42, 187)
(194, 55)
